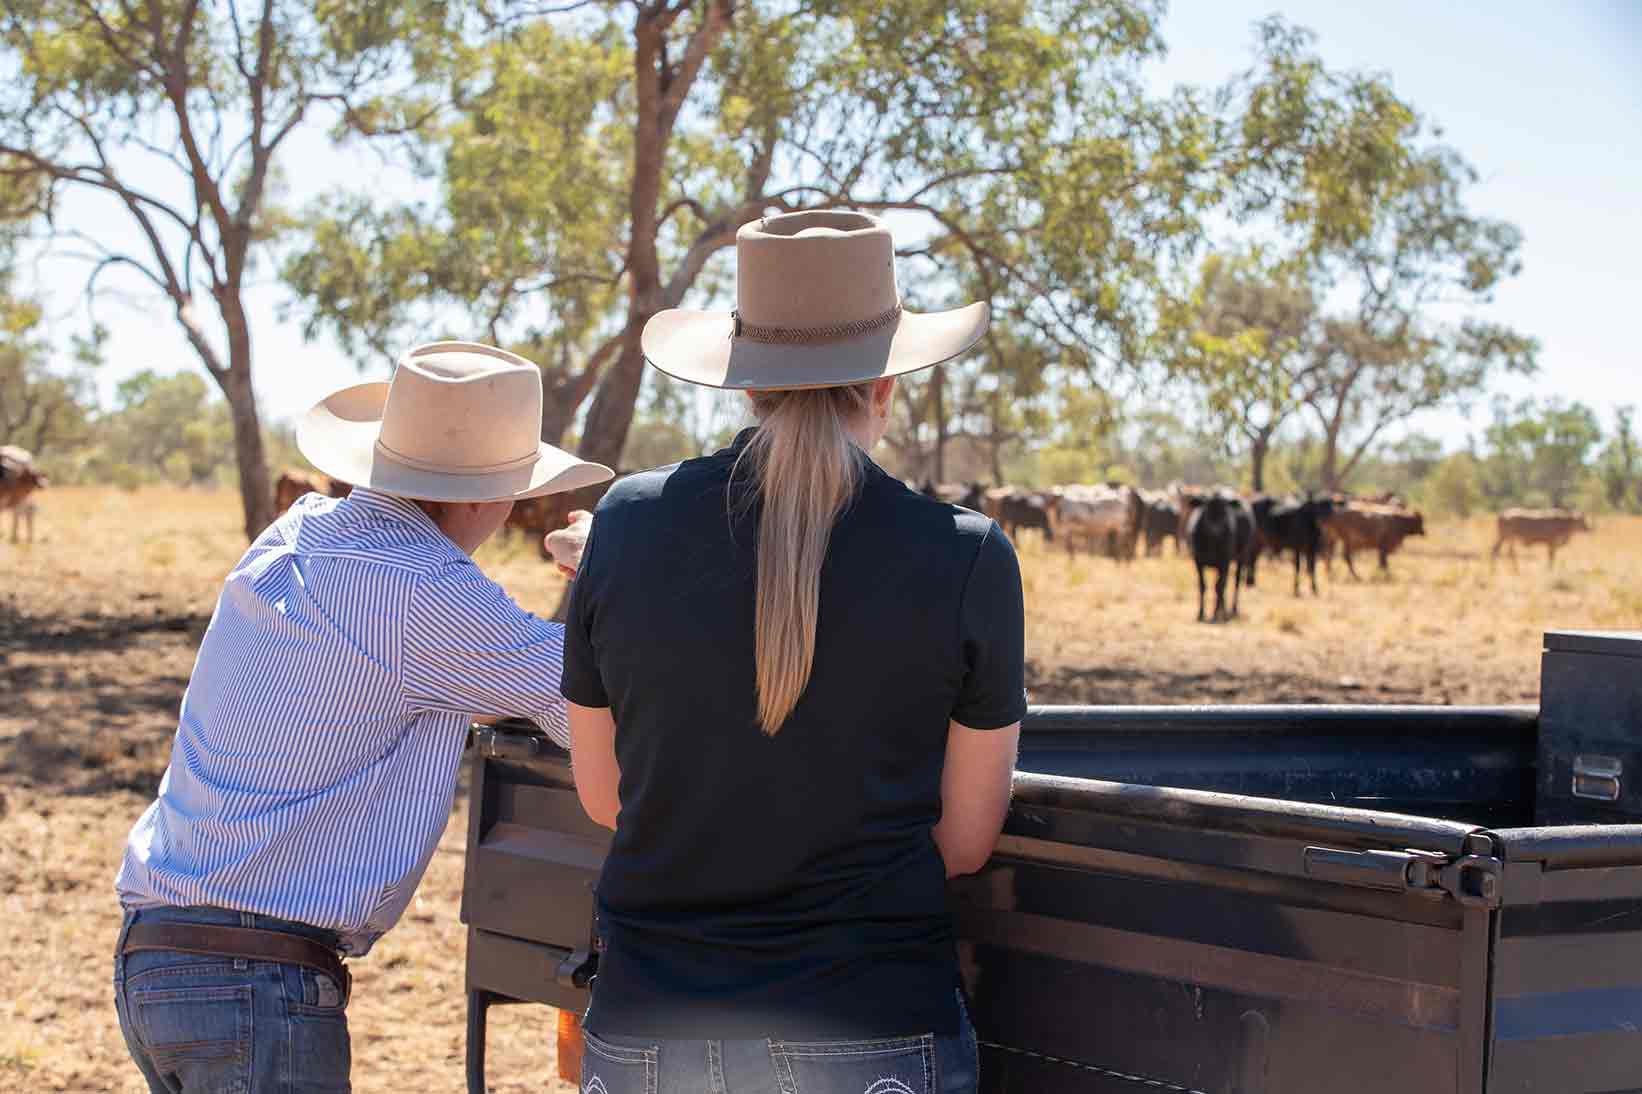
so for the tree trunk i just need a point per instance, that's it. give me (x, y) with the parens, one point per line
(1332, 427)
(1257, 460)
(937, 401)
(255, 492)
(604, 434)
(557, 414)
(998, 438)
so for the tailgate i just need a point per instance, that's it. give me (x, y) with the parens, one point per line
(1567, 1013)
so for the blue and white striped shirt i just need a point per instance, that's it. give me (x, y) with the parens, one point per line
(314, 765)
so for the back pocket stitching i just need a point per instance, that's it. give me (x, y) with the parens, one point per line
(617, 1054)
(821, 1049)
(240, 1048)
(889, 1085)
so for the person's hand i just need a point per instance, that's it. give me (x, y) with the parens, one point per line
(566, 544)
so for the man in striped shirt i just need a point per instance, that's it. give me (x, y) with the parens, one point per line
(314, 765)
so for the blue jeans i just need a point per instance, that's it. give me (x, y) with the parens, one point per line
(200, 1024)
(924, 1064)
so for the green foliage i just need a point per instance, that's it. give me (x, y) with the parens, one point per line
(176, 113)
(655, 443)
(1538, 452)
(1245, 339)
(1372, 209)
(42, 409)
(1454, 487)
(163, 429)
(1621, 468)
(589, 167)
(589, 175)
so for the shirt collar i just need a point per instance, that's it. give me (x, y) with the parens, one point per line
(744, 438)
(739, 445)
(393, 507)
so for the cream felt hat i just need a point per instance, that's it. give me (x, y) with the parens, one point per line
(459, 421)
(816, 306)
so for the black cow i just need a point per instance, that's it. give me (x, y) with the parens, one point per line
(970, 496)
(1294, 526)
(1221, 532)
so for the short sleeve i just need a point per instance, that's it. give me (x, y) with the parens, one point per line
(992, 622)
(582, 683)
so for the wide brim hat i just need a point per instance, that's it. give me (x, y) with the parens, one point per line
(816, 306)
(459, 421)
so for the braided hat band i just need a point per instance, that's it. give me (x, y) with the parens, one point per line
(810, 336)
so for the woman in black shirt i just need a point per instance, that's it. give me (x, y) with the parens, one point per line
(796, 692)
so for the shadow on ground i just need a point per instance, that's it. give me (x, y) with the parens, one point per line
(90, 630)
(1121, 684)
(88, 702)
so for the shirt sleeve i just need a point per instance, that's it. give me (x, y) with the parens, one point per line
(469, 649)
(992, 622)
(582, 682)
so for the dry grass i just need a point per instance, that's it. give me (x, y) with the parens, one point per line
(1444, 625)
(98, 622)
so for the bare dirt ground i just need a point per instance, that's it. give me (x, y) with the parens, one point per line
(100, 618)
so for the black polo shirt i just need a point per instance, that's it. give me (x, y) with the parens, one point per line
(784, 886)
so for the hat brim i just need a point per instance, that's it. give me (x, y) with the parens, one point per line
(700, 348)
(339, 438)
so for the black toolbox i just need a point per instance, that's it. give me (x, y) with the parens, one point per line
(1589, 768)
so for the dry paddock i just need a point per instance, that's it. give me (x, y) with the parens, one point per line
(100, 617)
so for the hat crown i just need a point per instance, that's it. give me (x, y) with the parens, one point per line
(817, 269)
(462, 408)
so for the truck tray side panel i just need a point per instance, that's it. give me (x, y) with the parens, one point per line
(1101, 952)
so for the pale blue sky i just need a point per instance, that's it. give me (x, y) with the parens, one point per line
(1544, 98)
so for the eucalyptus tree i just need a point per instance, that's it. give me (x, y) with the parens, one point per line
(1360, 191)
(1246, 340)
(597, 162)
(177, 114)
(1393, 353)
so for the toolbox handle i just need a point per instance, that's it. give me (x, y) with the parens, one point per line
(1597, 777)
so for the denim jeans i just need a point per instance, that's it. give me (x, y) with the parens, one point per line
(202, 1024)
(924, 1064)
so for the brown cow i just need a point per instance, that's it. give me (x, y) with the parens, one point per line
(1380, 527)
(1552, 527)
(535, 517)
(293, 484)
(18, 479)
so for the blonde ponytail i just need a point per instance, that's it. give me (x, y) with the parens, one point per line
(807, 469)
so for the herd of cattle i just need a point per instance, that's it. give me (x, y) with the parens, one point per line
(1224, 530)
(1228, 532)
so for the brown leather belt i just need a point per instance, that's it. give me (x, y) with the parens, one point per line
(247, 942)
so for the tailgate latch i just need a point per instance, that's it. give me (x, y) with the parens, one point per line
(577, 970)
(1473, 878)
